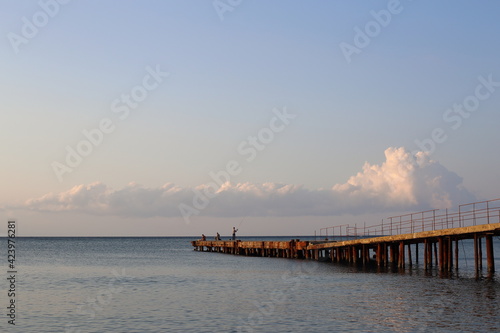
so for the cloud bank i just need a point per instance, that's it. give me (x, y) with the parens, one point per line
(404, 182)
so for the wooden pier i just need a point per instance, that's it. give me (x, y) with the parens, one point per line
(478, 221)
(441, 248)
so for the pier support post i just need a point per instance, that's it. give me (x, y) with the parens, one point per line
(476, 253)
(384, 254)
(436, 253)
(416, 252)
(480, 252)
(379, 254)
(401, 255)
(365, 253)
(489, 254)
(393, 253)
(410, 261)
(450, 253)
(426, 254)
(441, 254)
(456, 253)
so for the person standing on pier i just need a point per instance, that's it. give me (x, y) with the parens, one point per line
(234, 233)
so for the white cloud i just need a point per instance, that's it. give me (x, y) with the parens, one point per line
(402, 182)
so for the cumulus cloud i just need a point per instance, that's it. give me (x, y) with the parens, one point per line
(403, 182)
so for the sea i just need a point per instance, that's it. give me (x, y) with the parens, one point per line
(160, 284)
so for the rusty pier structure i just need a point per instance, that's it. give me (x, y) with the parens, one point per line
(396, 242)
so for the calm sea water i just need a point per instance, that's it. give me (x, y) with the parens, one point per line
(162, 285)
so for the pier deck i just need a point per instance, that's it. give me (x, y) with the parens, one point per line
(366, 250)
(440, 247)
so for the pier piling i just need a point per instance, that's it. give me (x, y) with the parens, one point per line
(489, 254)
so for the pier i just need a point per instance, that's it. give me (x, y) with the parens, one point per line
(395, 242)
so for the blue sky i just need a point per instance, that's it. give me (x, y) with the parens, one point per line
(225, 79)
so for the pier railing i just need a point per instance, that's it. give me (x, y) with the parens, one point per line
(472, 214)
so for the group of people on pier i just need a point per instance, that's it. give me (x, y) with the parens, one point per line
(217, 236)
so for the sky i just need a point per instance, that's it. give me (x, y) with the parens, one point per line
(177, 118)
